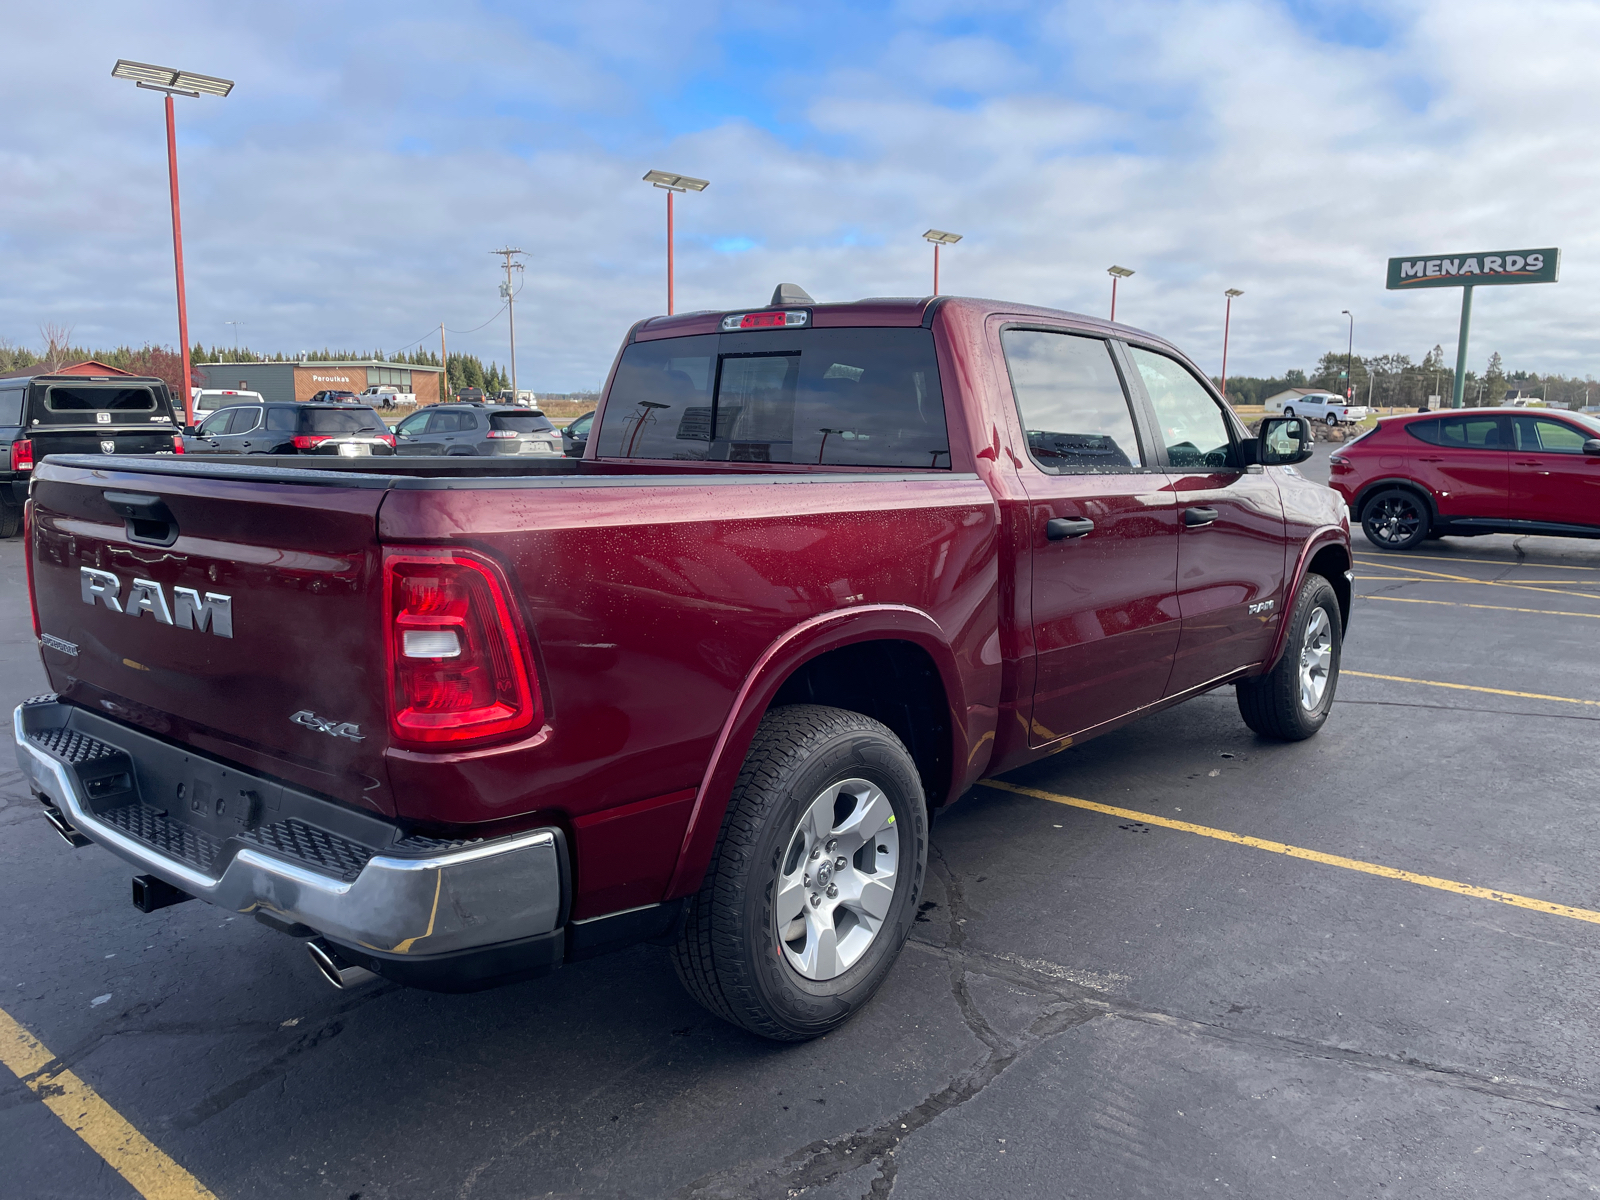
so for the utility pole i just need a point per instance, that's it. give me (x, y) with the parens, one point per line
(444, 359)
(1227, 319)
(510, 294)
(1349, 357)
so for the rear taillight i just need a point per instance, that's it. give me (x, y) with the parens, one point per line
(22, 455)
(459, 665)
(502, 433)
(386, 438)
(177, 443)
(304, 441)
(27, 557)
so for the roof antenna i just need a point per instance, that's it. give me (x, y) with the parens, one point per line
(786, 294)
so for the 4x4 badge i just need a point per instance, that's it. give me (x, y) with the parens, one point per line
(311, 721)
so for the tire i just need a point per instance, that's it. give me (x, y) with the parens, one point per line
(1331, 420)
(733, 955)
(1395, 519)
(1291, 702)
(10, 519)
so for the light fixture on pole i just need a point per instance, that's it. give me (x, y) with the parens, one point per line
(508, 292)
(1349, 356)
(672, 184)
(235, 325)
(1227, 318)
(939, 238)
(175, 83)
(1116, 273)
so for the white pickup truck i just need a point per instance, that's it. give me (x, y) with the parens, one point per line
(386, 395)
(1324, 407)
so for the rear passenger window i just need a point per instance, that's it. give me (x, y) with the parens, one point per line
(1072, 403)
(444, 422)
(833, 397)
(281, 420)
(1467, 433)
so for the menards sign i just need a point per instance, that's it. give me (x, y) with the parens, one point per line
(1474, 270)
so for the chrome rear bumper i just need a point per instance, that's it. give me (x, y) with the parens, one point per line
(408, 901)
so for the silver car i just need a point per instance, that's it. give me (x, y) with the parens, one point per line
(481, 429)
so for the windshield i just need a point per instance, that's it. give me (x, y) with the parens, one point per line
(844, 397)
(520, 422)
(91, 399)
(340, 420)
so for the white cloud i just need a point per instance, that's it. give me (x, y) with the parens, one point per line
(349, 191)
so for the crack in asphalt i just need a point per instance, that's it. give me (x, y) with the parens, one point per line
(822, 1161)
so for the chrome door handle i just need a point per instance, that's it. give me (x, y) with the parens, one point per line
(1196, 517)
(1057, 528)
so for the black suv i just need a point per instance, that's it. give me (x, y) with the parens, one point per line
(77, 414)
(292, 427)
(478, 429)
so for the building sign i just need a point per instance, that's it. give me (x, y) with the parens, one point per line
(1474, 270)
(330, 378)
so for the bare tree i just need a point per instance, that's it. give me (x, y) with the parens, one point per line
(57, 341)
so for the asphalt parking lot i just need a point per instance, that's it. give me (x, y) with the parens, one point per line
(1360, 965)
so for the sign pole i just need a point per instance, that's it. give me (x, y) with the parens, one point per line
(1461, 349)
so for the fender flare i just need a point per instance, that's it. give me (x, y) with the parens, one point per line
(1328, 535)
(796, 647)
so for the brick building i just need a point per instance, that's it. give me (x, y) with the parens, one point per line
(302, 380)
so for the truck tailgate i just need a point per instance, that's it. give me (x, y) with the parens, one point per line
(253, 633)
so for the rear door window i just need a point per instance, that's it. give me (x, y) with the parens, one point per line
(1465, 433)
(281, 420)
(520, 422)
(1188, 420)
(444, 422)
(1072, 403)
(244, 420)
(833, 397)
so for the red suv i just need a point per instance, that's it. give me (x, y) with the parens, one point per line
(1470, 472)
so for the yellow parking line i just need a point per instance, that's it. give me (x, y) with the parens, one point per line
(1332, 860)
(1543, 612)
(1482, 562)
(1467, 687)
(1432, 579)
(152, 1174)
(1442, 577)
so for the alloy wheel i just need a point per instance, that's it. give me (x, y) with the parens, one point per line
(1316, 659)
(1394, 521)
(836, 881)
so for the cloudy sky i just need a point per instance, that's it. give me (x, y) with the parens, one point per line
(349, 191)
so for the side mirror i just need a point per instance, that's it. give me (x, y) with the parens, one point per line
(1282, 440)
(1592, 446)
(188, 431)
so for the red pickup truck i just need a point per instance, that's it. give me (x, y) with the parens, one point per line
(821, 569)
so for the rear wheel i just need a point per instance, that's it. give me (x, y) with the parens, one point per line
(1396, 519)
(815, 879)
(1291, 702)
(10, 519)
(1331, 419)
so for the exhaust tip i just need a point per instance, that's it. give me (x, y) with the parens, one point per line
(334, 969)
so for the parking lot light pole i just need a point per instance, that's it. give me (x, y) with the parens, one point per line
(175, 83)
(939, 238)
(672, 184)
(1349, 359)
(1227, 317)
(1116, 273)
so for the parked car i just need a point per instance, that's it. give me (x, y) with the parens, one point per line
(288, 427)
(1330, 410)
(77, 414)
(825, 568)
(477, 429)
(575, 437)
(387, 396)
(469, 395)
(330, 396)
(210, 399)
(1471, 472)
